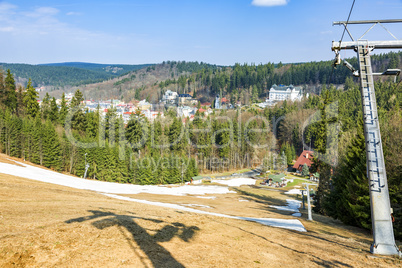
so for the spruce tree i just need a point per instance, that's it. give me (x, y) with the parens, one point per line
(305, 170)
(175, 138)
(163, 170)
(30, 100)
(37, 141)
(51, 147)
(27, 138)
(20, 102)
(54, 111)
(10, 100)
(78, 120)
(134, 133)
(45, 107)
(351, 191)
(63, 109)
(2, 89)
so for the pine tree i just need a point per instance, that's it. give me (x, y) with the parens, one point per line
(223, 139)
(92, 120)
(63, 110)
(134, 133)
(175, 138)
(30, 101)
(305, 170)
(54, 111)
(37, 142)
(164, 171)
(77, 99)
(78, 120)
(351, 192)
(27, 138)
(45, 107)
(2, 89)
(145, 171)
(51, 147)
(10, 100)
(20, 102)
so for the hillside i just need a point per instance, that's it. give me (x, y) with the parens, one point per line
(112, 69)
(246, 83)
(56, 75)
(64, 226)
(140, 84)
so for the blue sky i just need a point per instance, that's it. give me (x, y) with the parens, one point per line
(150, 31)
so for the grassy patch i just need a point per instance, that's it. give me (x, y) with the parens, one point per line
(226, 173)
(296, 182)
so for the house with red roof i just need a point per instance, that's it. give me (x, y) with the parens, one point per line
(306, 157)
(206, 104)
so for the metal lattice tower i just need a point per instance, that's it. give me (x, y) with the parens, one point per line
(383, 234)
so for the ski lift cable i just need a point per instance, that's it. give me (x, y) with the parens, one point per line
(340, 42)
(347, 21)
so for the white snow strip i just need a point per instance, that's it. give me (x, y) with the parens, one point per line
(243, 200)
(39, 174)
(292, 206)
(293, 191)
(280, 223)
(196, 205)
(206, 197)
(236, 182)
(110, 189)
(298, 214)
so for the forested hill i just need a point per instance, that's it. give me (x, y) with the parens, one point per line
(62, 74)
(113, 69)
(241, 82)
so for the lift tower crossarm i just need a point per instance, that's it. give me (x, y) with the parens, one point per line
(392, 44)
(374, 22)
(365, 22)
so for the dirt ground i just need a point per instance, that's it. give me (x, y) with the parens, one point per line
(45, 225)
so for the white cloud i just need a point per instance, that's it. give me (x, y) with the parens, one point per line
(42, 12)
(72, 13)
(4, 6)
(269, 3)
(6, 29)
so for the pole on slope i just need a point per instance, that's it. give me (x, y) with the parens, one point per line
(309, 213)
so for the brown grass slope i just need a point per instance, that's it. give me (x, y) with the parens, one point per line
(45, 225)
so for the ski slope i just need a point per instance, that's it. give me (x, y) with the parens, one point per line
(111, 189)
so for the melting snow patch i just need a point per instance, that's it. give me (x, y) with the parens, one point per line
(293, 191)
(292, 206)
(206, 197)
(196, 205)
(40, 174)
(298, 214)
(236, 182)
(243, 200)
(280, 223)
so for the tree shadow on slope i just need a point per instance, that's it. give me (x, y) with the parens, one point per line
(148, 243)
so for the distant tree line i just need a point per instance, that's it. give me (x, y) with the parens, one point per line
(59, 75)
(256, 80)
